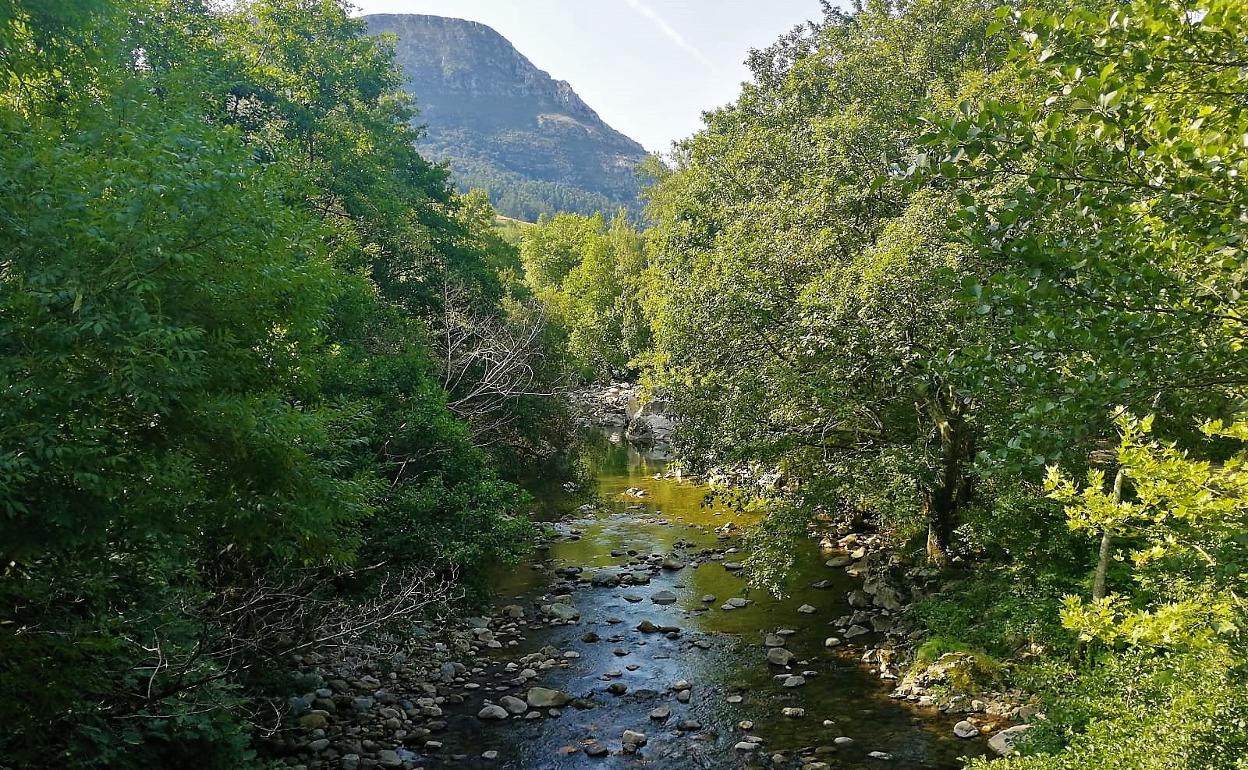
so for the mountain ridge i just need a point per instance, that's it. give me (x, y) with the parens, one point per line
(507, 126)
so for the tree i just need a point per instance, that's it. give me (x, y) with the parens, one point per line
(1164, 688)
(1110, 197)
(805, 305)
(590, 279)
(224, 435)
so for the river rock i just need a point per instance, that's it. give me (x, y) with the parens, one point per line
(647, 627)
(542, 697)
(843, 740)
(664, 597)
(888, 598)
(965, 729)
(564, 611)
(492, 711)
(792, 712)
(774, 640)
(513, 704)
(594, 748)
(632, 740)
(661, 713)
(389, 758)
(605, 578)
(832, 641)
(1003, 742)
(806, 609)
(778, 656)
(314, 720)
(793, 681)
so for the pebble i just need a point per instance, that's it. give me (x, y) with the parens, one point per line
(594, 748)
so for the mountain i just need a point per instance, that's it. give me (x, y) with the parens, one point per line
(506, 126)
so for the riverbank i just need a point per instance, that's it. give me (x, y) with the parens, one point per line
(635, 621)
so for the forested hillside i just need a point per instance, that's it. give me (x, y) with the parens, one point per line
(507, 127)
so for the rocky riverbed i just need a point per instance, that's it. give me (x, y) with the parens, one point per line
(634, 640)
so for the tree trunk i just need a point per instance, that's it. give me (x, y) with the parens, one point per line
(953, 485)
(1107, 539)
(939, 527)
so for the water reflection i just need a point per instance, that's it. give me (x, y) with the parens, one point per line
(720, 652)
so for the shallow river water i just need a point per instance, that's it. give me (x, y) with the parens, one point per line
(719, 652)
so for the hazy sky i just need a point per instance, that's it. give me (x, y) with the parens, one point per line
(648, 67)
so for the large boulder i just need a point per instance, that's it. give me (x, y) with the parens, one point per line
(957, 672)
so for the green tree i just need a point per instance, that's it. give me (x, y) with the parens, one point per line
(1110, 198)
(590, 278)
(805, 305)
(223, 263)
(1165, 686)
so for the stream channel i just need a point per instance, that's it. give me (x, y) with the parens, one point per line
(719, 653)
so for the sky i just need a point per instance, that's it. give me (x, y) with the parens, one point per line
(648, 67)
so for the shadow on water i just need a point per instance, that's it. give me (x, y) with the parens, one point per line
(720, 652)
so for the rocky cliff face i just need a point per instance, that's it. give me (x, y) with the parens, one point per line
(507, 126)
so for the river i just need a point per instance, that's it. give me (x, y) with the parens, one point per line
(719, 653)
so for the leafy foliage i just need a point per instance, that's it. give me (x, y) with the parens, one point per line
(805, 301)
(223, 266)
(590, 277)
